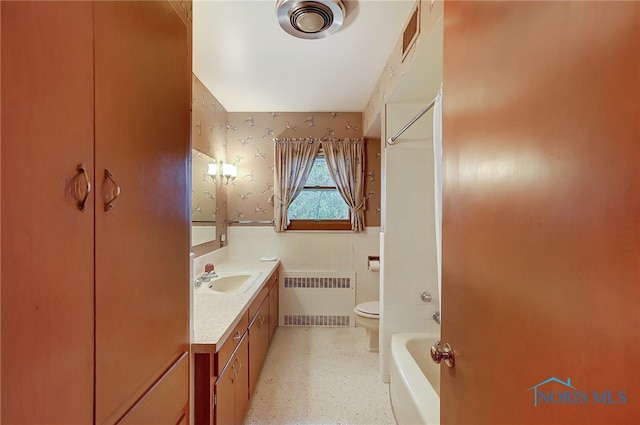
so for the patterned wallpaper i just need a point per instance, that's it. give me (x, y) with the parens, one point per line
(245, 138)
(203, 188)
(209, 135)
(395, 67)
(250, 147)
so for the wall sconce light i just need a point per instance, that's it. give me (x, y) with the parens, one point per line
(212, 169)
(229, 172)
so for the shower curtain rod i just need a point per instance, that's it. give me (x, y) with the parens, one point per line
(392, 140)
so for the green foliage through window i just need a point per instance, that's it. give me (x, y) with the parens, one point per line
(319, 200)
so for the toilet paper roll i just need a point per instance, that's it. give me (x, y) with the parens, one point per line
(374, 266)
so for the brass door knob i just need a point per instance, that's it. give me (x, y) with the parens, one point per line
(438, 354)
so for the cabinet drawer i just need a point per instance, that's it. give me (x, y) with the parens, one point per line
(230, 344)
(258, 344)
(255, 305)
(274, 309)
(166, 401)
(273, 282)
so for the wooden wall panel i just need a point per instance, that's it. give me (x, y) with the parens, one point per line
(541, 209)
(166, 403)
(143, 80)
(47, 243)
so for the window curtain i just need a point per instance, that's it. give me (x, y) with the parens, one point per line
(345, 160)
(294, 159)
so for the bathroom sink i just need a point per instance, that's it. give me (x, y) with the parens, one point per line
(229, 283)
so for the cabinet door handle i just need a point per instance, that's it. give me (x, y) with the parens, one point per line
(235, 372)
(239, 363)
(82, 203)
(261, 317)
(237, 336)
(107, 175)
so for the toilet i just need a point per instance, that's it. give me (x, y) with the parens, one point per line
(368, 317)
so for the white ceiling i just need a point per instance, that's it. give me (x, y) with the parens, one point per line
(250, 64)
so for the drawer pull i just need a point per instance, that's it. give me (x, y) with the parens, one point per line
(237, 336)
(116, 192)
(87, 187)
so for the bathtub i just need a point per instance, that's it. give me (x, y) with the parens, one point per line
(414, 385)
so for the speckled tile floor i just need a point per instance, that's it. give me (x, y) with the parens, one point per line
(320, 376)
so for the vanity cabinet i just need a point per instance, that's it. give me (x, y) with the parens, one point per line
(226, 379)
(221, 378)
(258, 336)
(231, 387)
(95, 271)
(274, 305)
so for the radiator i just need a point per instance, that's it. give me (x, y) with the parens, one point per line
(317, 298)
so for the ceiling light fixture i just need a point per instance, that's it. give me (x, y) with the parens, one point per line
(310, 19)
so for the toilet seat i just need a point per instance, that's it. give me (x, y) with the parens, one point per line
(369, 309)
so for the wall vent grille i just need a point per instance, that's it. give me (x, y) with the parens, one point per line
(318, 282)
(411, 31)
(317, 298)
(307, 320)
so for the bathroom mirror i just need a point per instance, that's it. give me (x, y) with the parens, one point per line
(204, 170)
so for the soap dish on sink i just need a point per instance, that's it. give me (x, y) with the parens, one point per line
(268, 258)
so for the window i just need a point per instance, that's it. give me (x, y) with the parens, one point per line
(319, 206)
(295, 159)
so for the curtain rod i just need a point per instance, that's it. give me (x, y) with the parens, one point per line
(392, 140)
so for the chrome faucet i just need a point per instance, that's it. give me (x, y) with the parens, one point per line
(207, 276)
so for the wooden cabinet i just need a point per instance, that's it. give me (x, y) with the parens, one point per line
(142, 244)
(274, 305)
(225, 380)
(216, 378)
(94, 302)
(264, 314)
(258, 339)
(165, 404)
(47, 243)
(240, 367)
(224, 398)
(232, 386)
(230, 389)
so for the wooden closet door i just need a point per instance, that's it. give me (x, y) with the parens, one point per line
(47, 242)
(142, 244)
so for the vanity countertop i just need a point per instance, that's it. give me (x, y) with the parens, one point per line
(215, 315)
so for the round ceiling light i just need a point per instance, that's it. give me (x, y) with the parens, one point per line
(310, 19)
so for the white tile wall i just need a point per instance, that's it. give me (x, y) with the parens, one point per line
(317, 251)
(213, 257)
(409, 251)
